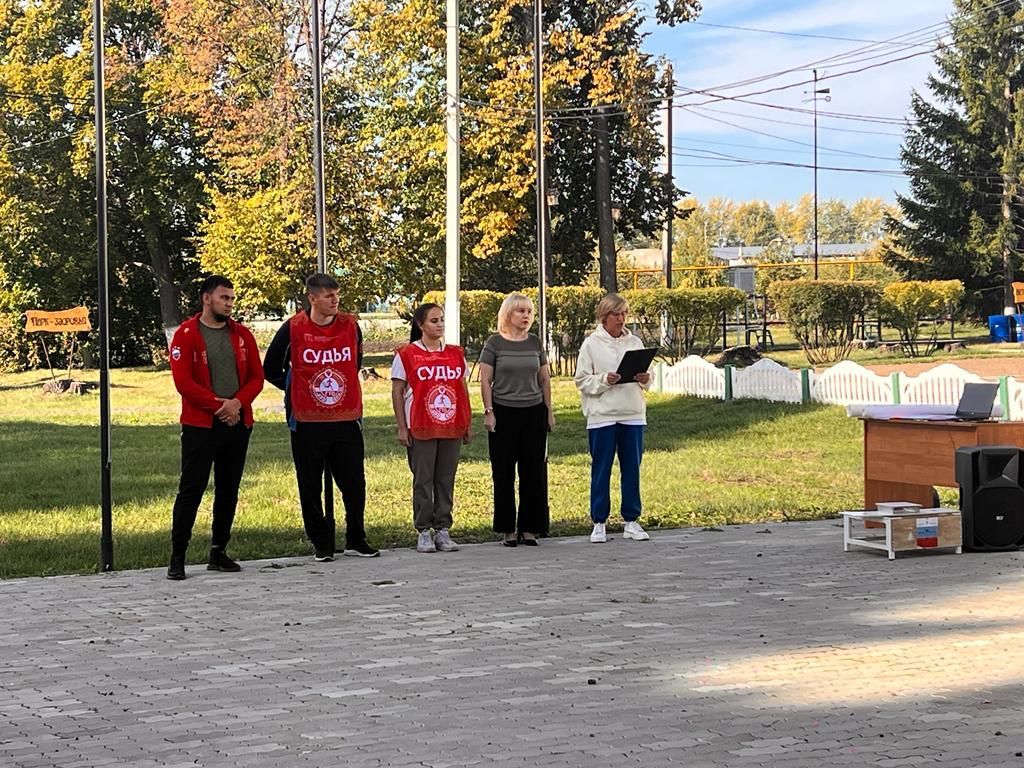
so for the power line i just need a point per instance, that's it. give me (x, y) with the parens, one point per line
(762, 118)
(157, 105)
(696, 111)
(792, 34)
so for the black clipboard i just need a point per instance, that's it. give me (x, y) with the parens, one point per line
(635, 361)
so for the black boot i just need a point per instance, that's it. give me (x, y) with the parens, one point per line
(176, 570)
(219, 561)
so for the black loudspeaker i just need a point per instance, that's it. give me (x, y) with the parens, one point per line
(991, 496)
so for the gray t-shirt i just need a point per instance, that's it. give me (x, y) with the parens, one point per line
(220, 356)
(516, 364)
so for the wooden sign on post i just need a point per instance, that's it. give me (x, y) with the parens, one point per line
(70, 321)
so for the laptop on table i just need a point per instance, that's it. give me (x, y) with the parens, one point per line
(976, 401)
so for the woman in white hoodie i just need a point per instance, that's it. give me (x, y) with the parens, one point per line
(616, 417)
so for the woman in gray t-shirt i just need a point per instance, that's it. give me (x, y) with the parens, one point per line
(515, 385)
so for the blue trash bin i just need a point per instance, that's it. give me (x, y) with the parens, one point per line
(1006, 328)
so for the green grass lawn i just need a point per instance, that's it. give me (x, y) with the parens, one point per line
(706, 463)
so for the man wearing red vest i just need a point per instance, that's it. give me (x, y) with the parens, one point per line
(315, 358)
(216, 368)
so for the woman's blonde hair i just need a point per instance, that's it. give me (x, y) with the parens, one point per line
(612, 302)
(511, 303)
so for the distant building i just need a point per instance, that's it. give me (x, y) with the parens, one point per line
(743, 254)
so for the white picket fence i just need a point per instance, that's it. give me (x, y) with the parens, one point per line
(846, 383)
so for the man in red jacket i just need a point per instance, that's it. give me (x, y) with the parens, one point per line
(216, 368)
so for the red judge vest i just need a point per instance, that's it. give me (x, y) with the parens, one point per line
(325, 372)
(440, 408)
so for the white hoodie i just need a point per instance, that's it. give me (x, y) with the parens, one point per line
(604, 403)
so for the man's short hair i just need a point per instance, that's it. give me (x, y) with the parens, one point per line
(213, 282)
(321, 282)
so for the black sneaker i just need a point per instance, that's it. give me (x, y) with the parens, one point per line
(362, 549)
(219, 561)
(323, 557)
(176, 570)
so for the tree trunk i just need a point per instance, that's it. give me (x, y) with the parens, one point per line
(603, 198)
(159, 260)
(1009, 238)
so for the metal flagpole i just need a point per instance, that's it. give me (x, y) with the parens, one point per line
(321, 208)
(103, 291)
(538, 95)
(452, 274)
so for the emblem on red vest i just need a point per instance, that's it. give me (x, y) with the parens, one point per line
(441, 404)
(328, 387)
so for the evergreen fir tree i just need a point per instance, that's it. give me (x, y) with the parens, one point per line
(963, 152)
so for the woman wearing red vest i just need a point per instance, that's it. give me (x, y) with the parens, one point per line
(431, 403)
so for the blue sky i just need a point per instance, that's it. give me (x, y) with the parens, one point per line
(716, 59)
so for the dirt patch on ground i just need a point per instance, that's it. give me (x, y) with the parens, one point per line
(982, 366)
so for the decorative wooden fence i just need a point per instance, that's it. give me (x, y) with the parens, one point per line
(844, 384)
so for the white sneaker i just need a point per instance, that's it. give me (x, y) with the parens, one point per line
(635, 532)
(444, 542)
(598, 536)
(425, 543)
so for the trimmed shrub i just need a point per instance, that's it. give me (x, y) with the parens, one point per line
(694, 315)
(821, 314)
(908, 305)
(479, 315)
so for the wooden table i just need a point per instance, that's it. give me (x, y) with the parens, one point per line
(903, 459)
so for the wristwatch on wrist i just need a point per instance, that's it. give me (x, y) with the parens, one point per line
(488, 410)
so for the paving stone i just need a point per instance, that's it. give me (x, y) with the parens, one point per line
(686, 650)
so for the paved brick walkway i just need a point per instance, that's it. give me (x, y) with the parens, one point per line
(752, 646)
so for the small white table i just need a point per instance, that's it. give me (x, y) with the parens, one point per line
(918, 530)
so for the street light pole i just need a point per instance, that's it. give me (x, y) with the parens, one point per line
(103, 290)
(318, 141)
(452, 244)
(826, 92)
(542, 218)
(321, 207)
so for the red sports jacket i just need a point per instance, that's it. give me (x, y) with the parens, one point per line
(191, 372)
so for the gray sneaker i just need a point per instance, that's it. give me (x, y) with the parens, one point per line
(425, 543)
(444, 541)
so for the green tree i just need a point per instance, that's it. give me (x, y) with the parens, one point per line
(156, 164)
(962, 152)
(754, 223)
(598, 90)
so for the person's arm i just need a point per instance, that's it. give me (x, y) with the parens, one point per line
(486, 386)
(588, 380)
(398, 404)
(182, 352)
(488, 361)
(276, 362)
(359, 347)
(398, 386)
(253, 384)
(468, 436)
(544, 378)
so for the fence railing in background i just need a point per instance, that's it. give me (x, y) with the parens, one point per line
(846, 383)
(653, 277)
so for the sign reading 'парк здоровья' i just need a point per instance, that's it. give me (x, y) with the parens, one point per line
(66, 321)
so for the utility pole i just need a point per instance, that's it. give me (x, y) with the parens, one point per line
(541, 191)
(318, 141)
(670, 214)
(827, 93)
(321, 207)
(452, 242)
(103, 289)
